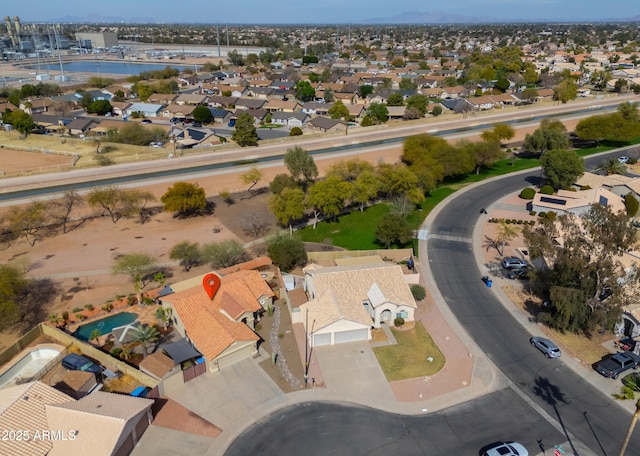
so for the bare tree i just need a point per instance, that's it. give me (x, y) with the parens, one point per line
(254, 223)
(64, 206)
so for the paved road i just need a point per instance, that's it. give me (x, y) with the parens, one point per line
(334, 429)
(583, 410)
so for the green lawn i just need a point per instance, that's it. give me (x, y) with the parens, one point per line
(409, 358)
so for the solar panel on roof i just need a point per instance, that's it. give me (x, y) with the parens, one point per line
(548, 199)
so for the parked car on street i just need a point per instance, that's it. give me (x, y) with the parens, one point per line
(612, 366)
(505, 449)
(624, 159)
(77, 362)
(146, 121)
(513, 263)
(519, 274)
(547, 347)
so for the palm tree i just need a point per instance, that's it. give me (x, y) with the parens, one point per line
(611, 166)
(164, 315)
(146, 335)
(505, 233)
(631, 387)
(95, 335)
(55, 319)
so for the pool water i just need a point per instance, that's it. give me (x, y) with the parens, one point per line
(105, 325)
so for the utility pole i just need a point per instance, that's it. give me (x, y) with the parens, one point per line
(218, 36)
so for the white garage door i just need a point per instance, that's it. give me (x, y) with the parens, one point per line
(321, 339)
(351, 336)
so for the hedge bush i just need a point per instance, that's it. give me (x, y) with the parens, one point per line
(546, 190)
(528, 193)
(418, 292)
(399, 321)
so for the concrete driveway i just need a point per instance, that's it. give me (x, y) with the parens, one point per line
(353, 370)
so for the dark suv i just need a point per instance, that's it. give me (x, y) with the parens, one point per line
(79, 363)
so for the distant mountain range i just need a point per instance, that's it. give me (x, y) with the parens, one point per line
(411, 17)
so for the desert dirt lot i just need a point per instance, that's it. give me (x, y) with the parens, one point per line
(81, 260)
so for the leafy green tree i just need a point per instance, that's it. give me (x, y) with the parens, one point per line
(282, 181)
(202, 114)
(13, 284)
(338, 110)
(137, 266)
(328, 197)
(235, 58)
(530, 94)
(245, 133)
(500, 132)
(561, 167)
(593, 128)
(305, 91)
(300, 164)
(364, 90)
(393, 229)
(100, 82)
(407, 84)
(483, 152)
(110, 199)
(502, 84)
(136, 134)
(397, 180)
(631, 204)
(188, 253)
(565, 91)
(629, 391)
(184, 198)
(287, 206)
(621, 86)
(583, 283)
(100, 107)
(365, 188)
(251, 177)
(550, 135)
(224, 253)
(28, 221)
(287, 252)
(611, 166)
(21, 121)
(395, 99)
(378, 112)
(329, 97)
(436, 110)
(418, 102)
(146, 335)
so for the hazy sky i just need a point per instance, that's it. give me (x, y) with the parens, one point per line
(318, 11)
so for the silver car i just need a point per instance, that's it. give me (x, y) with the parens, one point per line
(505, 449)
(547, 347)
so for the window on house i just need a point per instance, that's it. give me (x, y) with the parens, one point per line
(402, 314)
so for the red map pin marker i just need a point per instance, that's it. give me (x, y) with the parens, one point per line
(211, 284)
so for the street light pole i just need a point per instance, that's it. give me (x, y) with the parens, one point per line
(306, 350)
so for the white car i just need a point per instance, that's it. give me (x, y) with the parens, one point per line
(506, 449)
(624, 159)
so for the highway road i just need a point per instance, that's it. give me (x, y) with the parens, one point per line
(584, 411)
(36, 186)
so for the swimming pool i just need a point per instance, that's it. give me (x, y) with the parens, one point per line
(28, 366)
(105, 325)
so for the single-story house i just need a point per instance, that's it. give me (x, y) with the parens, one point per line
(220, 324)
(578, 203)
(251, 103)
(290, 119)
(191, 99)
(100, 423)
(220, 115)
(274, 105)
(346, 301)
(81, 125)
(327, 125)
(146, 109)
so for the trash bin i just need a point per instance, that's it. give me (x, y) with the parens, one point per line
(489, 283)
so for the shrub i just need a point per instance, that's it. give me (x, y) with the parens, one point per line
(520, 222)
(147, 300)
(532, 222)
(131, 299)
(546, 190)
(527, 193)
(399, 321)
(632, 160)
(532, 212)
(508, 221)
(76, 310)
(89, 307)
(542, 214)
(551, 215)
(631, 204)
(295, 131)
(418, 292)
(116, 352)
(80, 316)
(107, 307)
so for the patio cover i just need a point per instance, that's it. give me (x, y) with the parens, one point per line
(181, 351)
